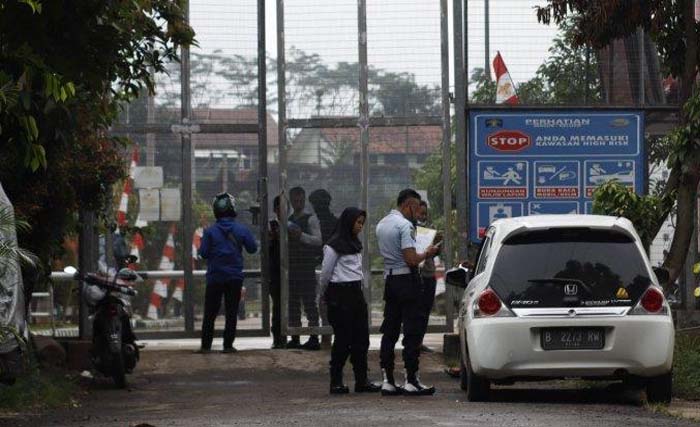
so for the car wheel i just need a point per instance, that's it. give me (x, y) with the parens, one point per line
(478, 388)
(659, 388)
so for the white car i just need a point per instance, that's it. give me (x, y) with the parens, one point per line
(561, 296)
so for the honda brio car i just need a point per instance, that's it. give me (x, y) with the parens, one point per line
(563, 296)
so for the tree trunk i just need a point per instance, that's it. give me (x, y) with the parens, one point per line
(688, 183)
(685, 222)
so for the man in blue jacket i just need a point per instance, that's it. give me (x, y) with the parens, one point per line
(222, 247)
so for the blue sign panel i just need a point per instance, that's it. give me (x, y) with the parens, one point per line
(538, 162)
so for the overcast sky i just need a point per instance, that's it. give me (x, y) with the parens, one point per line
(403, 35)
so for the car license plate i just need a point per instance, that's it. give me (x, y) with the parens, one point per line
(572, 338)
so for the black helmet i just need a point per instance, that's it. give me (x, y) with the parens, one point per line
(224, 205)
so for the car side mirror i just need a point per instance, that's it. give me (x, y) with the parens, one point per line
(459, 276)
(662, 275)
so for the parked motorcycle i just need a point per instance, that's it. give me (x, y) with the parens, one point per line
(114, 350)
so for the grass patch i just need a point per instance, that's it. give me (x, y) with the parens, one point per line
(686, 367)
(38, 390)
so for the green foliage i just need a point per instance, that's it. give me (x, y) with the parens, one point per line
(686, 367)
(429, 178)
(683, 140)
(646, 212)
(61, 87)
(38, 390)
(10, 252)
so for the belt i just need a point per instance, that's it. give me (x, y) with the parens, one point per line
(397, 271)
(355, 284)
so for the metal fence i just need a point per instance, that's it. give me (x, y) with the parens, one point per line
(360, 98)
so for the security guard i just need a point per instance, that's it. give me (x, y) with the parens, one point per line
(403, 293)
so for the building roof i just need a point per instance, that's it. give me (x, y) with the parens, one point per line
(383, 140)
(230, 116)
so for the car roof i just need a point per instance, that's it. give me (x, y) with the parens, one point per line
(533, 222)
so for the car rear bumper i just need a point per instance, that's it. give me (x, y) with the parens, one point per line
(502, 348)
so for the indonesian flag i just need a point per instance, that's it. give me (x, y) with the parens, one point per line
(505, 89)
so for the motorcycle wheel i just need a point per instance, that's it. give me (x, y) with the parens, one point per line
(118, 370)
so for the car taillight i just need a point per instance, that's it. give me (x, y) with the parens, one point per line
(489, 303)
(652, 300)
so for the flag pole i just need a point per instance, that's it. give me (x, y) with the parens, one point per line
(487, 61)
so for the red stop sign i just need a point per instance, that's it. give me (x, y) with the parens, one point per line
(508, 140)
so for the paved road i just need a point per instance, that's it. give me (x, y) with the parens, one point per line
(290, 387)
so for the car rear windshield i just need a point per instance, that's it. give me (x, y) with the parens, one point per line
(569, 267)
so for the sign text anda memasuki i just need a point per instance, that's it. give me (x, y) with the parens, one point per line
(537, 162)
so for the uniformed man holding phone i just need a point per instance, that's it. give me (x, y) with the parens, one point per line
(403, 294)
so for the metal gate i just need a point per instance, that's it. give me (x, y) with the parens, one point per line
(355, 134)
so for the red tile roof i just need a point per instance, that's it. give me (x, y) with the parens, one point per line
(391, 140)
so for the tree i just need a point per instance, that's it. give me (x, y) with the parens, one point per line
(60, 90)
(671, 24)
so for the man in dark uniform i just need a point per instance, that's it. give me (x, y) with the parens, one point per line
(321, 202)
(403, 294)
(305, 243)
(427, 273)
(278, 340)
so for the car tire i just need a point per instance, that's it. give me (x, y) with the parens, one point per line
(478, 388)
(660, 388)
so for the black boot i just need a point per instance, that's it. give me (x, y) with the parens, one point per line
(389, 387)
(337, 386)
(294, 342)
(312, 344)
(414, 387)
(278, 342)
(362, 385)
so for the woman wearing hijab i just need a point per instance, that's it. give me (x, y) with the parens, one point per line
(341, 277)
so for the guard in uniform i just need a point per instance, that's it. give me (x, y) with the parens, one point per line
(403, 294)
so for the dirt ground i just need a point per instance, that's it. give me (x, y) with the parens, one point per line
(290, 387)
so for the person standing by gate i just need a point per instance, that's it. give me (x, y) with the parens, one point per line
(278, 340)
(403, 294)
(341, 285)
(321, 203)
(222, 247)
(305, 243)
(427, 273)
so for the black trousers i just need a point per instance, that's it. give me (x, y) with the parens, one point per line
(347, 314)
(302, 291)
(403, 306)
(231, 291)
(429, 284)
(276, 294)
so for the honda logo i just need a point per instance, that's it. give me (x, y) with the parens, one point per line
(571, 289)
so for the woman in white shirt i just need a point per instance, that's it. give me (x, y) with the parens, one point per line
(341, 281)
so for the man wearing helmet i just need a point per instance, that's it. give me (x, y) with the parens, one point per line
(222, 246)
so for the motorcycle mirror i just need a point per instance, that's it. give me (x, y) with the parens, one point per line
(70, 270)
